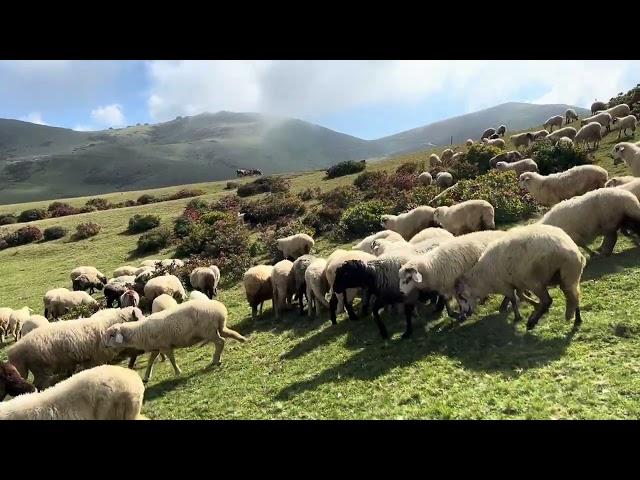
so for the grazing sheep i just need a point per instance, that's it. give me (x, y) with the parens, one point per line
(382, 247)
(562, 132)
(546, 256)
(206, 280)
(126, 270)
(522, 140)
(429, 233)
(551, 189)
(508, 157)
(149, 263)
(105, 392)
(434, 160)
(317, 285)
(76, 272)
(497, 142)
(130, 298)
(444, 179)
(446, 155)
(538, 134)
(409, 223)
(487, 133)
(337, 258)
(283, 285)
(163, 302)
(570, 116)
(298, 269)
(469, 142)
(555, 121)
(65, 301)
(502, 129)
(597, 107)
(565, 142)
(621, 110)
(48, 297)
(365, 244)
(33, 322)
(113, 293)
(11, 383)
(601, 212)
(145, 269)
(16, 320)
(603, 118)
(624, 123)
(466, 217)
(591, 132)
(296, 245)
(86, 282)
(60, 347)
(617, 181)
(171, 263)
(629, 153)
(521, 166)
(425, 178)
(196, 295)
(122, 280)
(258, 287)
(5, 315)
(183, 326)
(169, 284)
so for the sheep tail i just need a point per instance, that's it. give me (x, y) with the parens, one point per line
(228, 333)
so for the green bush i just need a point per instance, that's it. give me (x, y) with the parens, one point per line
(142, 223)
(23, 235)
(198, 204)
(228, 203)
(231, 185)
(272, 208)
(99, 204)
(53, 233)
(183, 226)
(8, 219)
(146, 199)
(154, 240)
(61, 209)
(32, 215)
(81, 311)
(345, 168)
(341, 197)
(558, 158)
(263, 185)
(363, 218)
(212, 217)
(310, 193)
(86, 230)
(184, 193)
(323, 219)
(410, 168)
(370, 180)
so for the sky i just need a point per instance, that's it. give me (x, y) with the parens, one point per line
(367, 99)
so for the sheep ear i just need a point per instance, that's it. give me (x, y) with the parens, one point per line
(417, 277)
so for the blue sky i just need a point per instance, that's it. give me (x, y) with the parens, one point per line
(368, 99)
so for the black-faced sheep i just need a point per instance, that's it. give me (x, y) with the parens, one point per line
(76, 272)
(487, 133)
(502, 129)
(87, 281)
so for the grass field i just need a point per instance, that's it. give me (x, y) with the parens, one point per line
(301, 368)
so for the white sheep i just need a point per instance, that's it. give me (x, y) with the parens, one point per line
(545, 256)
(618, 181)
(129, 298)
(106, 392)
(519, 166)
(163, 302)
(565, 142)
(562, 132)
(365, 244)
(444, 179)
(258, 287)
(206, 280)
(76, 272)
(196, 295)
(126, 270)
(383, 248)
(409, 223)
(466, 217)
(538, 134)
(171, 263)
(425, 178)
(434, 160)
(508, 157)
(296, 245)
(592, 132)
(555, 121)
(624, 123)
(193, 322)
(62, 302)
(16, 320)
(144, 269)
(446, 155)
(317, 285)
(87, 281)
(469, 142)
(49, 296)
(597, 107)
(428, 233)
(149, 263)
(33, 322)
(283, 285)
(5, 315)
(522, 139)
(169, 284)
(122, 280)
(629, 153)
(570, 116)
(602, 118)
(621, 110)
(496, 142)
(551, 189)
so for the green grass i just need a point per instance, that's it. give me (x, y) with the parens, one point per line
(297, 368)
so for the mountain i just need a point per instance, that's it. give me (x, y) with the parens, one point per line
(39, 162)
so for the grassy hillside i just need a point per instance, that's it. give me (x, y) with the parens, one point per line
(297, 368)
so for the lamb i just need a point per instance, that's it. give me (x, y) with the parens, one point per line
(508, 157)
(113, 293)
(551, 189)
(258, 287)
(11, 383)
(434, 160)
(337, 258)
(621, 110)
(425, 178)
(16, 320)
(76, 272)
(126, 270)
(87, 281)
(555, 121)
(502, 129)
(33, 322)
(466, 217)
(547, 256)
(183, 326)
(624, 123)
(196, 295)
(469, 142)
(65, 301)
(317, 285)
(295, 245)
(591, 132)
(597, 107)
(629, 153)
(206, 280)
(570, 116)
(169, 284)
(521, 166)
(538, 134)
(163, 302)
(565, 142)
(105, 392)
(446, 155)
(59, 347)
(429, 233)
(365, 244)
(487, 133)
(562, 132)
(298, 269)
(444, 179)
(522, 139)
(601, 212)
(617, 181)
(283, 284)
(602, 118)
(409, 223)
(129, 298)
(497, 142)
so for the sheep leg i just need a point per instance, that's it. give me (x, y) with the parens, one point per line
(218, 341)
(132, 361)
(352, 314)
(516, 311)
(310, 301)
(408, 313)
(505, 304)
(608, 243)
(333, 306)
(366, 301)
(572, 300)
(541, 309)
(378, 304)
(152, 359)
(172, 359)
(440, 304)
(301, 293)
(254, 311)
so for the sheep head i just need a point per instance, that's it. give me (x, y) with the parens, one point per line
(466, 299)
(410, 278)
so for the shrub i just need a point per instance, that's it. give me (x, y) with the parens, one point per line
(142, 223)
(273, 207)
(182, 226)
(129, 203)
(403, 181)
(185, 193)
(154, 241)
(363, 218)
(478, 155)
(198, 204)
(421, 195)
(3, 244)
(310, 193)
(228, 203)
(410, 168)
(81, 311)
(212, 217)
(341, 197)
(23, 235)
(263, 185)
(231, 185)
(99, 204)
(369, 180)
(31, 215)
(323, 219)
(8, 219)
(558, 158)
(61, 209)
(145, 199)
(284, 230)
(86, 230)
(53, 233)
(345, 168)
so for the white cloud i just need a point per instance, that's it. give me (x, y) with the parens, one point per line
(109, 116)
(34, 117)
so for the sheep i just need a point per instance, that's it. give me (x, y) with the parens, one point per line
(446, 155)
(502, 129)
(169, 284)
(624, 123)
(497, 142)
(494, 136)
(296, 245)
(597, 107)
(129, 298)
(11, 383)
(602, 118)
(409, 223)
(365, 244)
(5, 315)
(317, 285)
(438, 270)
(283, 285)
(33, 322)
(618, 181)
(555, 121)
(521, 166)
(565, 142)
(629, 153)
(428, 233)
(65, 301)
(76, 272)
(298, 269)
(425, 178)
(487, 133)
(60, 347)
(551, 189)
(206, 280)
(163, 302)
(258, 287)
(621, 110)
(113, 293)
(196, 295)
(466, 217)
(522, 140)
(444, 179)
(126, 270)
(546, 256)
(469, 142)
(562, 132)
(105, 392)
(86, 282)
(601, 212)
(538, 134)
(145, 269)
(434, 160)
(48, 297)
(183, 326)
(456, 156)
(149, 263)
(16, 320)
(592, 132)
(508, 157)
(570, 116)
(171, 263)
(122, 280)
(337, 258)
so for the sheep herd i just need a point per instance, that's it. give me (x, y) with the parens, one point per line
(447, 257)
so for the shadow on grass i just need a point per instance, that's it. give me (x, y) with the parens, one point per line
(159, 389)
(599, 266)
(289, 321)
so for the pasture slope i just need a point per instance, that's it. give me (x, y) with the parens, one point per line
(296, 368)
